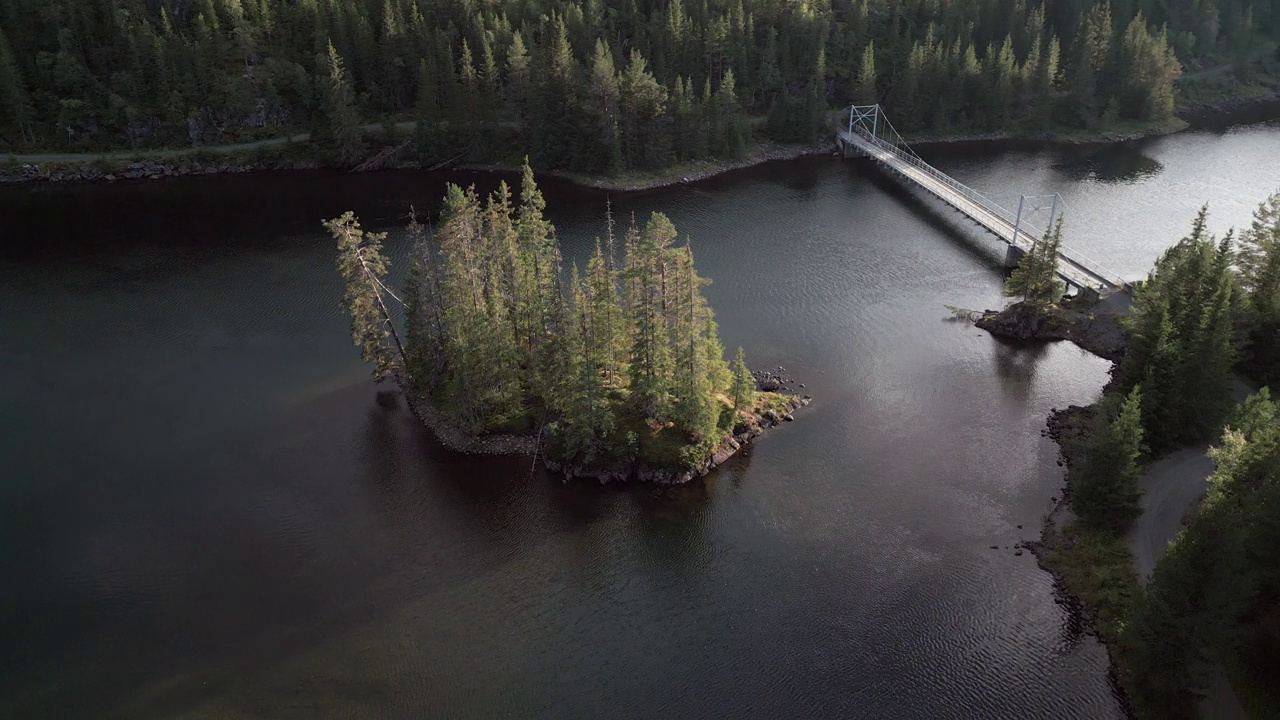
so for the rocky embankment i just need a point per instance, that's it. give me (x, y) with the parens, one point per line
(141, 170)
(456, 439)
(1096, 327)
(769, 414)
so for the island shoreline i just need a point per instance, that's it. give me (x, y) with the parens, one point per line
(459, 441)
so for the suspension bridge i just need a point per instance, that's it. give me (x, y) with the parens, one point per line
(869, 133)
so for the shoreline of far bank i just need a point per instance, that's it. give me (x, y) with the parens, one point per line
(293, 153)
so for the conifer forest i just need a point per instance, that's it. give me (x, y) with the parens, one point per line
(612, 365)
(597, 86)
(1207, 314)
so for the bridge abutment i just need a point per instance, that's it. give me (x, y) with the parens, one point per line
(1013, 255)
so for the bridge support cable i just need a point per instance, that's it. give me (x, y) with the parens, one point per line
(869, 131)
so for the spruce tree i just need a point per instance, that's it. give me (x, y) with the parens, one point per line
(646, 140)
(426, 134)
(1260, 277)
(602, 151)
(15, 109)
(864, 92)
(344, 119)
(1105, 491)
(736, 128)
(743, 389)
(645, 294)
(1035, 279)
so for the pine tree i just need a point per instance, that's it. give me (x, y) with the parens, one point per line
(363, 266)
(426, 359)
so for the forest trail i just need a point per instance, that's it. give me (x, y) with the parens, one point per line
(166, 153)
(1171, 489)
(1220, 69)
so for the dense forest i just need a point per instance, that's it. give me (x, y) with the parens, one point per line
(592, 85)
(1210, 309)
(614, 365)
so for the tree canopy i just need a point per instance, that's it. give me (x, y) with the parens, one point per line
(592, 86)
(619, 364)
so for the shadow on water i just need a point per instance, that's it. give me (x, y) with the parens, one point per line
(1121, 164)
(1016, 365)
(934, 213)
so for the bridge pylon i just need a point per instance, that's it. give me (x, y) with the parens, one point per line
(869, 133)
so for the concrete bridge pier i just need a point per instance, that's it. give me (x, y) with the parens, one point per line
(1012, 255)
(848, 149)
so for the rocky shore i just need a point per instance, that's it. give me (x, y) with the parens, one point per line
(95, 170)
(1094, 327)
(755, 425)
(223, 160)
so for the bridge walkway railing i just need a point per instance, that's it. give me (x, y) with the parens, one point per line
(1027, 233)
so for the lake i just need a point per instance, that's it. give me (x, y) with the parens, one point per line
(204, 512)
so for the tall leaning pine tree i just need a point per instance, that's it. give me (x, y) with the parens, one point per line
(362, 265)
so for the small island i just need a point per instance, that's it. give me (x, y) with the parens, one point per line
(615, 372)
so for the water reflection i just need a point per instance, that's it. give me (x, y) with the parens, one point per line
(1111, 165)
(1016, 365)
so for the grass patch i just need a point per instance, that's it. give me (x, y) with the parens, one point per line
(1096, 567)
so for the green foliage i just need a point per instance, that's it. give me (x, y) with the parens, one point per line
(1181, 346)
(1097, 567)
(1035, 279)
(1215, 595)
(362, 266)
(1104, 489)
(498, 342)
(344, 127)
(1260, 278)
(93, 75)
(743, 389)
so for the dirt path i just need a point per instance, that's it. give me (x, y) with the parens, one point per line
(1172, 488)
(175, 152)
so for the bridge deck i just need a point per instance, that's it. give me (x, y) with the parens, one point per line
(1072, 268)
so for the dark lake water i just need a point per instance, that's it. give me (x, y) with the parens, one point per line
(204, 513)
